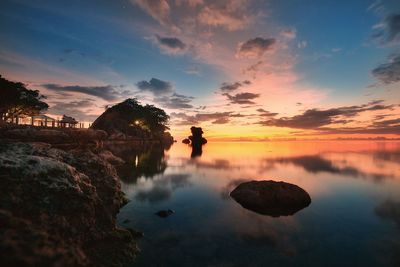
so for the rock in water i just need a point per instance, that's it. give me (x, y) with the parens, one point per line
(271, 198)
(186, 141)
(197, 138)
(164, 213)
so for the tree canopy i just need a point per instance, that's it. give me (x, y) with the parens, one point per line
(16, 99)
(130, 115)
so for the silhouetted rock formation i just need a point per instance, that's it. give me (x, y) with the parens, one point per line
(271, 198)
(197, 136)
(58, 208)
(196, 140)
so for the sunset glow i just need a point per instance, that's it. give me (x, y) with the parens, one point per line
(246, 70)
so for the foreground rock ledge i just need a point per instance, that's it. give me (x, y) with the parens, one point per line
(58, 208)
(271, 198)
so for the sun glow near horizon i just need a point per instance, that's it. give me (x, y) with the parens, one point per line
(242, 69)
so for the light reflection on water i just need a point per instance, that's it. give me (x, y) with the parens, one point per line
(353, 220)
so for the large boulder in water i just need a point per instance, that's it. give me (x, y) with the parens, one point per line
(271, 198)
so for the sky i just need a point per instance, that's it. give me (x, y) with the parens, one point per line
(241, 69)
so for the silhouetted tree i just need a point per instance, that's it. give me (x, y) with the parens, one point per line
(16, 99)
(131, 118)
(155, 118)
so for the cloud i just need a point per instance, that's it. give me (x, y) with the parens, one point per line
(315, 118)
(171, 45)
(389, 72)
(229, 87)
(107, 92)
(176, 101)
(230, 15)
(223, 120)
(159, 190)
(194, 70)
(155, 86)
(165, 94)
(266, 113)
(191, 3)
(289, 33)
(77, 109)
(242, 98)
(256, 47)
(254, 68)
(377, 7)
(215, 118)
(387, 32)
(302, 44)
(393, 26)
(157, 9)
(317, 164)
(389, 129)
(387, 123)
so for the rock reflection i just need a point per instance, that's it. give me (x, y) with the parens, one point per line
(389, 210)
(140, 161)
(197, 151)
(260, 239)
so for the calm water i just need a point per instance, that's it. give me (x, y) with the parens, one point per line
(353, 220)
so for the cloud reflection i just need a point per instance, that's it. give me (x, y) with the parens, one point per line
(162, 188)
(317, 163)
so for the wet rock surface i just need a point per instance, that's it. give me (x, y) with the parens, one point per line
(271, 198)
(58, 208)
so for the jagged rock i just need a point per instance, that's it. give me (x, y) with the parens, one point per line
(84, 136)
(110, 158)
(271, 198)
(58, 208)
(135, 234)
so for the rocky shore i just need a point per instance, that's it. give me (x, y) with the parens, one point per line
(60, 136)
(58, 207)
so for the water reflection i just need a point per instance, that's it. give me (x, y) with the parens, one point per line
(157, 190)
(389, 210)
(197, 150)
(146, 160)
(355, 221)
(317, 163)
